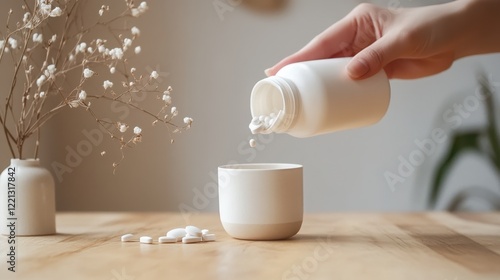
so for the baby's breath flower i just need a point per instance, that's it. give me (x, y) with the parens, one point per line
(188, 120)
(103, 153)
(174, 111)
(45, 9)
(107, 84)
(81, 47)
(122, 127)
(26, 17)
(71, 57)
(135, 31)
(37, 38)
(137, 50)
(82, 95)
(42, 94)
(141, 9)
(41, 80)
(54, 38)
(132, 70)
(101, 49)
(49, 72)
(143, 6)
(167, 98)
(137, 130)
(87, 73)
(127, 42)
(13, 43)
(56, 12)
(154, 75)
(116, 53)
(102, 9)
(90, 50)
(112, 70)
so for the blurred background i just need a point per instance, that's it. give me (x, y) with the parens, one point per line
(212, 52)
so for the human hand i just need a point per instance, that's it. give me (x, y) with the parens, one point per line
(407, 43)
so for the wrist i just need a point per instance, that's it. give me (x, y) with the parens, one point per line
(480, 23)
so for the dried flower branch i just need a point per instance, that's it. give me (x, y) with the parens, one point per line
(43, 60)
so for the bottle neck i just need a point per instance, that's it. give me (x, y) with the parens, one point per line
(278, 96)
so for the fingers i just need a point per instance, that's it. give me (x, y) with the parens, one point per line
(325, 45)
(376, 56)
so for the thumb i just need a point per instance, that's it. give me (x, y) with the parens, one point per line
(373, 58)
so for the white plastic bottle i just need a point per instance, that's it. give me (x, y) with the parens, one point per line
(315, 97)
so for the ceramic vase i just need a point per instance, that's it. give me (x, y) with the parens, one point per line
(27, 199)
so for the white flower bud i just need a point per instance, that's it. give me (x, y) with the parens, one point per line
(154, 75)
(174, 111)
(135, 31)
(82, 95)
(107, 84)
(123, 127)
(87, 73)
(56, 12)
(37, 38)
(137, 130)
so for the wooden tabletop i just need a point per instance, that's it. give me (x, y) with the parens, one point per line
(439, 246)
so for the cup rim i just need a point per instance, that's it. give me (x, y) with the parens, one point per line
(260, 166)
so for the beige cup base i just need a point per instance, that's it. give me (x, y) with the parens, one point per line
(262, 231)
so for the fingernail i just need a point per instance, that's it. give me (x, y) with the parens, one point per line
(357, 68)
(268, 72)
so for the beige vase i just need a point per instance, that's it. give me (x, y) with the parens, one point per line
(27, 199)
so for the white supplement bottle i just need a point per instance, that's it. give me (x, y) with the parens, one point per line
(315, 97)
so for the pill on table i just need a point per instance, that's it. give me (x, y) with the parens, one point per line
(167, 239)
(191, 239)
(252, 143)
(127, 237)
(193, 231)
(208, 237)
(146, 239)
(204, 231)
(178, 233)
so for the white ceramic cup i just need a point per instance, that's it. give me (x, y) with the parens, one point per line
(261, 201)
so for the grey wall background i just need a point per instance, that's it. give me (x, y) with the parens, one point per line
(212, 62)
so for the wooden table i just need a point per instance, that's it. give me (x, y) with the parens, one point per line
(439, 246)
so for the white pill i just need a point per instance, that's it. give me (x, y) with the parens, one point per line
(262, 118)
(267, 120)
(193, 231)
(252, 143)
(146, 239)
(127, 237)
(255, 120)
(167, 239)
(191, 239)
(204, 231)
(272, 115)
(256, 128)
(178, 233)
(208, 237)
